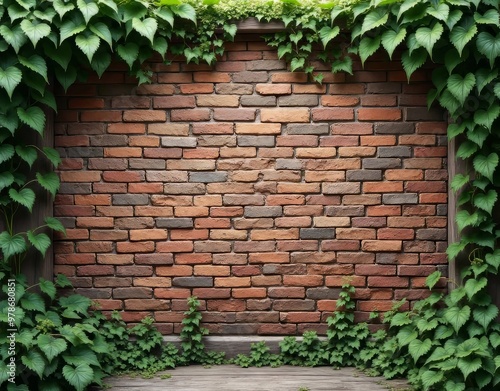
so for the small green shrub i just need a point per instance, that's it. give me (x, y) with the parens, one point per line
(57, 343)
(260, 356)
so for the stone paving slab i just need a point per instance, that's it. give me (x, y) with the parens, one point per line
(234, 378)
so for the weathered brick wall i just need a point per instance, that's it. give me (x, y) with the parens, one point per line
(251, 188)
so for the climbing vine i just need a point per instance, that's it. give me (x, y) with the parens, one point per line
(47, 42)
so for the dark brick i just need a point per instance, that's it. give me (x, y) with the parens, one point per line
(375, 163)
(256, 141)
(85, 152)
(383, 88)
(432, 234)
(250, 77)
(284, 269)
(422, 114)
(208, 177)
(193, 282)
(174, 223)
(364, 175)
(394, 128)
(294, 305)
(95, 293)
(289, 164)
(75, 188)
(442, 210)
(298, 100)
(130, 199)
(132, 293)
(147, 164)
(263, 211)
(322, 293)
(109, 140)
(394, 151)
(261, 101)
(343, 211)
(308, 129)
(397, 198)
(317, 233)
(266, 65)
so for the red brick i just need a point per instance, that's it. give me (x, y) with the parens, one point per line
(379, 114)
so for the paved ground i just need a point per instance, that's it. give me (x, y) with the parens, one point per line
(233, 378)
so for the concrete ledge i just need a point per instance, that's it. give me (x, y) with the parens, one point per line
(232, 345)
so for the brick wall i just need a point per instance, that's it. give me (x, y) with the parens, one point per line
(252, 189)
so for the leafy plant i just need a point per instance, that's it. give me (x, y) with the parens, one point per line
(260, 356)
(57, 342)
(139, 349)
(193, 348)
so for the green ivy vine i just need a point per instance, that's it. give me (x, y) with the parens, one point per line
(58, 41)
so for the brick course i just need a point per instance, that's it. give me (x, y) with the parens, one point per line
(253, 189)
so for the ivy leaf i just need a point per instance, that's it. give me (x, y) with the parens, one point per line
(433, 279)
(79, 377)
(295, 38)
(374, 19)
(103, 32)
(459, 181)
(15, 37)
(55, 224)
(486, 201)
(460, 87)
(147, 27)
(40, 241)
(342, 65)
(62, 281)
(52, 155)
(430, 377)
(10, 78)
(71, 27)
(284, 49)
(428, 38)
(486, 165)
(6, 152)
(493, 259)
(462, 35)
(391, 39)
(88, 44)
(35, 31)
(47, 287)
(51, 346)
(128, 52)
(368, 46)
(16, 12)
(88, 9)
(25, 197)
(485, 315)
(489, 17)
(166, 15)
(473, 286)
(34, 117)
(457, 316)
(455, 129)
(454, 249)
(484, 77)
(464, 219)
(297, 63)
(61, 7)
(49, 181)
(32, 302)
(327, 33)
(11, 245)
(453, 18)
(406, 335)
(486, 117)
(9, 121)
(418, 348)
(66, 78)
(478, 135)
(411, 62)
(185, 11)
(36, 64)
(27, 153)
(494, 340)
(469, 365)
(81, 354)
(466, 149)
(34, 361)
(160, 45)
(440, 11)
(489, 46)
(75, 303)
(100, 62)
(6, 179)
(451, 60)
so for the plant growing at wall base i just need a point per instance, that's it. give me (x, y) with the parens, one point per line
(57, 342)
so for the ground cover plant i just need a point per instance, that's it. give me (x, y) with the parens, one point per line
(452, 340)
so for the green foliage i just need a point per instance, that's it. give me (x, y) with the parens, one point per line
(259, 356)
(193, 348)
(58, 344)
(139, 349)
